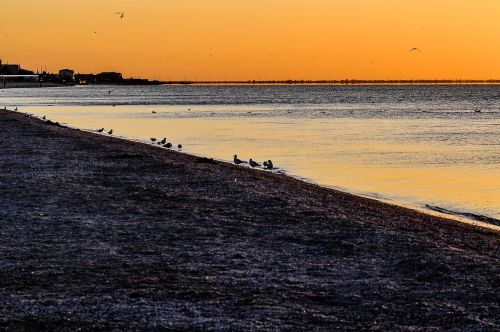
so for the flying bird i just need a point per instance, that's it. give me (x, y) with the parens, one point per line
(121, 14)
(415, 49)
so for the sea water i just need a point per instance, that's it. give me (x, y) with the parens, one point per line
(422, 146)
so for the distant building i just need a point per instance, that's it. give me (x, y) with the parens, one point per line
(9, 69)
(109, 77)
(67, 75)
(85, 78)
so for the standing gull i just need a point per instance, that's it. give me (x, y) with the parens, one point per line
(238, 161)
(253, 163)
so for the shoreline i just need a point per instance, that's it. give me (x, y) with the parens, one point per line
(103, 232)
(466, 217)
(29, 85)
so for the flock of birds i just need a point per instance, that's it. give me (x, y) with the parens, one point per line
(164, 143)
(110, 132)
(267, 164)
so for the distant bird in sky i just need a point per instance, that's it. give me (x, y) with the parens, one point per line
(121, 14)
(415, 49)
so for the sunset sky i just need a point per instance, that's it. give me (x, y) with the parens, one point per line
(257, 39)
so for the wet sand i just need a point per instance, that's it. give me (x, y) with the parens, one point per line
(102, 233)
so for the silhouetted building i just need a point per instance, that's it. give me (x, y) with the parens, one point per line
(67, 75)
(9, 69)
(109, 77)
(85, 78)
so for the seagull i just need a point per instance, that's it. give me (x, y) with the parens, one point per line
(415, 49)
(237, 161)
(168, 145)
(110, 132)
(153, 139)
(100, 130)
(163, 141)
(253, 163)
(121, 14)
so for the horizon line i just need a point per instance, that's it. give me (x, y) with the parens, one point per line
(340, 82)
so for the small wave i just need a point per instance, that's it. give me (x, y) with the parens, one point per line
(469, 215)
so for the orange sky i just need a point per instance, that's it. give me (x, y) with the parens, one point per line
(257, 39)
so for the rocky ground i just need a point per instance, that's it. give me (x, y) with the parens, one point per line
(102, 233)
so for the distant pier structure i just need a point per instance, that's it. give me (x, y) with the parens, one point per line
(15, 75)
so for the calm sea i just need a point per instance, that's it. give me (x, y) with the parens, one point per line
(419, 146)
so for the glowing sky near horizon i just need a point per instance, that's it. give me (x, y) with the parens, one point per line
(258, 39)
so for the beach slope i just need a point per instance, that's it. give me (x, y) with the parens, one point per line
(102, 233)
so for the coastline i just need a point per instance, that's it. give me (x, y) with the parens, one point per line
(28, 85)
(237, 244)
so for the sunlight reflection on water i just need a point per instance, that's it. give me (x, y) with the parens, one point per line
(412, 150)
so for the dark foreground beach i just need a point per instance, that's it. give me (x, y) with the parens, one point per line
(102, 233)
